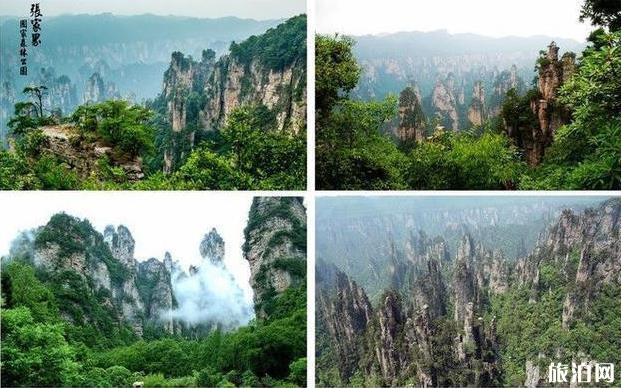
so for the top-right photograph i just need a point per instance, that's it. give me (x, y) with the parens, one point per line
(476, 95)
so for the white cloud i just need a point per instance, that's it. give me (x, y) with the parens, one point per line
(210, 295)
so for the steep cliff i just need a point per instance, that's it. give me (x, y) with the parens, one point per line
(267, 70)
(477, 112)
(96, 90)
(61, 92)
(503, 82)
(444, 103)
(154, 285)
(412, 121)
(409, 337)
(344, 317)
(212, 247)
(96, 278)
(536, 135)
(275, 247)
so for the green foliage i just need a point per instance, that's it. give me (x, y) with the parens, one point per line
(205, 169)
(23, 119)
(117, 122)
(516, 110)
(292, 299)
(20, 287)
(462, 161)
(247, 154)
(606, 13)
(34, 354)
(31, 143)
(351, 152)
(527, 329)
(295, 266)
(265, 348)
(16, 174)
(208, 377)
(336, 72)
(54, 176)
(277, 48)
(587, 152)
(119, 376)
(265, 155)
(297, 373)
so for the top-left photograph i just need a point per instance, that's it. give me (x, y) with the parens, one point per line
(153, 95)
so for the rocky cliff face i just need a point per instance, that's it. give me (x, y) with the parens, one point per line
(344, 317)
(198, 97)
(587, 249)
(235, 84)
(402, 338)
(96, 90)
(477, 111)
(154, 285)
(444, 315)
(503, 82)
(535, 138)
(275, 247)
(212, 247)
(101, 277)
(444, 103)
(585, 253)
(411, 118)
(82, 157)
(61, 92)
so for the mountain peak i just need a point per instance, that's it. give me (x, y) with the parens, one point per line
(212, 247)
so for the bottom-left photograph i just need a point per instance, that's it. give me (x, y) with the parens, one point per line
(153, 289)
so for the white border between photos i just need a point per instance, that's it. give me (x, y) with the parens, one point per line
(310, 190)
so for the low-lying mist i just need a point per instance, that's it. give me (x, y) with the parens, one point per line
(210, 295)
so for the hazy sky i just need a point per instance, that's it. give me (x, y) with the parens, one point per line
(252, 9)
(496, 18)
(158, 221)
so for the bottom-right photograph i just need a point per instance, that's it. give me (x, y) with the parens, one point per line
(468, 290)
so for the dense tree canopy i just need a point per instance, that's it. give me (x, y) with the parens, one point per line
(248, 153)
(605, 13)
(41, 349)
(336, 72)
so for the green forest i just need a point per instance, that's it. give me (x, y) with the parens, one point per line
(40, 348)
(248, 151)
(353, 152)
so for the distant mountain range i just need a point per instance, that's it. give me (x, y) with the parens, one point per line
(441, 64)
(442, 43)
